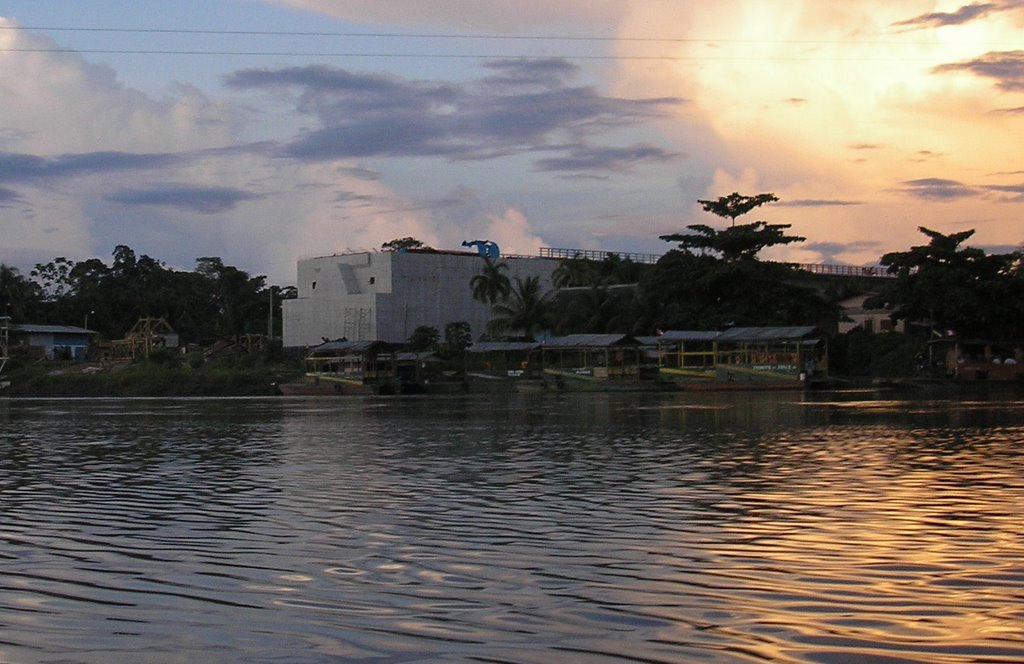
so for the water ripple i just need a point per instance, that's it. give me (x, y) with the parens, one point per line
(655, 528)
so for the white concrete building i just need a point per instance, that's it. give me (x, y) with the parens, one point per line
(385, 296)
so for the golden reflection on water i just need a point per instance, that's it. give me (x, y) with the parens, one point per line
(860, 556)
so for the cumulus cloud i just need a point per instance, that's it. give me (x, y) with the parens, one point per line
(512, 231)
(57, 103)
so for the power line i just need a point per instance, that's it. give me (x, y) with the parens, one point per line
(455, 36)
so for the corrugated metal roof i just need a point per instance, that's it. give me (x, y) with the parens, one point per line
(50, 329)
(739, 334)
(360, 346)
(591, 341)
(765, 333)
(689, 335)
(502, 346)
(411, 356)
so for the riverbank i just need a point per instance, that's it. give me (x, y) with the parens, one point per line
(147, 380)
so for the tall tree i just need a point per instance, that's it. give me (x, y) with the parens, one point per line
(952, 287)
(736, 242)
(736, 205)
(715, 279)
(741, 242)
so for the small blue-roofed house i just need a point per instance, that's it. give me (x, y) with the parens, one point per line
(57, 342)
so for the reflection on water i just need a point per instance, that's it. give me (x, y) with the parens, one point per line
(653, 528)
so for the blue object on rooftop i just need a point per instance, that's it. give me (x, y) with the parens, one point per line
(486, 248)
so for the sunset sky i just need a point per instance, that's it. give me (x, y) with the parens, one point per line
(262, 131)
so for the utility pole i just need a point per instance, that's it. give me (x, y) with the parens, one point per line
(270, 315)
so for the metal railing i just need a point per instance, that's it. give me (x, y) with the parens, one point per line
(596, 255)
(814, 268)
(844, 270)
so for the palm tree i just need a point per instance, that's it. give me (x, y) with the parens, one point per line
(525, 309)
(572, 272)
(491, 285)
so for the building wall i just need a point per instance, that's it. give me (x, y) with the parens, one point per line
(55, 345)
(871, 320)
(385, 296)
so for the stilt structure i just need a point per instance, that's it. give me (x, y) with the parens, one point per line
(145, 335)
(5, 328)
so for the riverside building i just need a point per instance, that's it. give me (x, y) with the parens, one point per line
(384, 296)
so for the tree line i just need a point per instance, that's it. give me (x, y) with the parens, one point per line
(213, 301)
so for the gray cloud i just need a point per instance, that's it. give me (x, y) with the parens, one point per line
(16, 167)
(548, 72)
(206, 200)
(1005, 67)
(1016, 191)
(352, 199)
(964, 14)
(621, 160)
(938, 189)
(524, 106)
(8, 196)
(359, 173)
(829, 251)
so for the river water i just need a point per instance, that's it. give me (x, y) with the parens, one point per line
(732, 527)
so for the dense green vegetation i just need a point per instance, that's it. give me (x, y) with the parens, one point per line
(213, 301)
